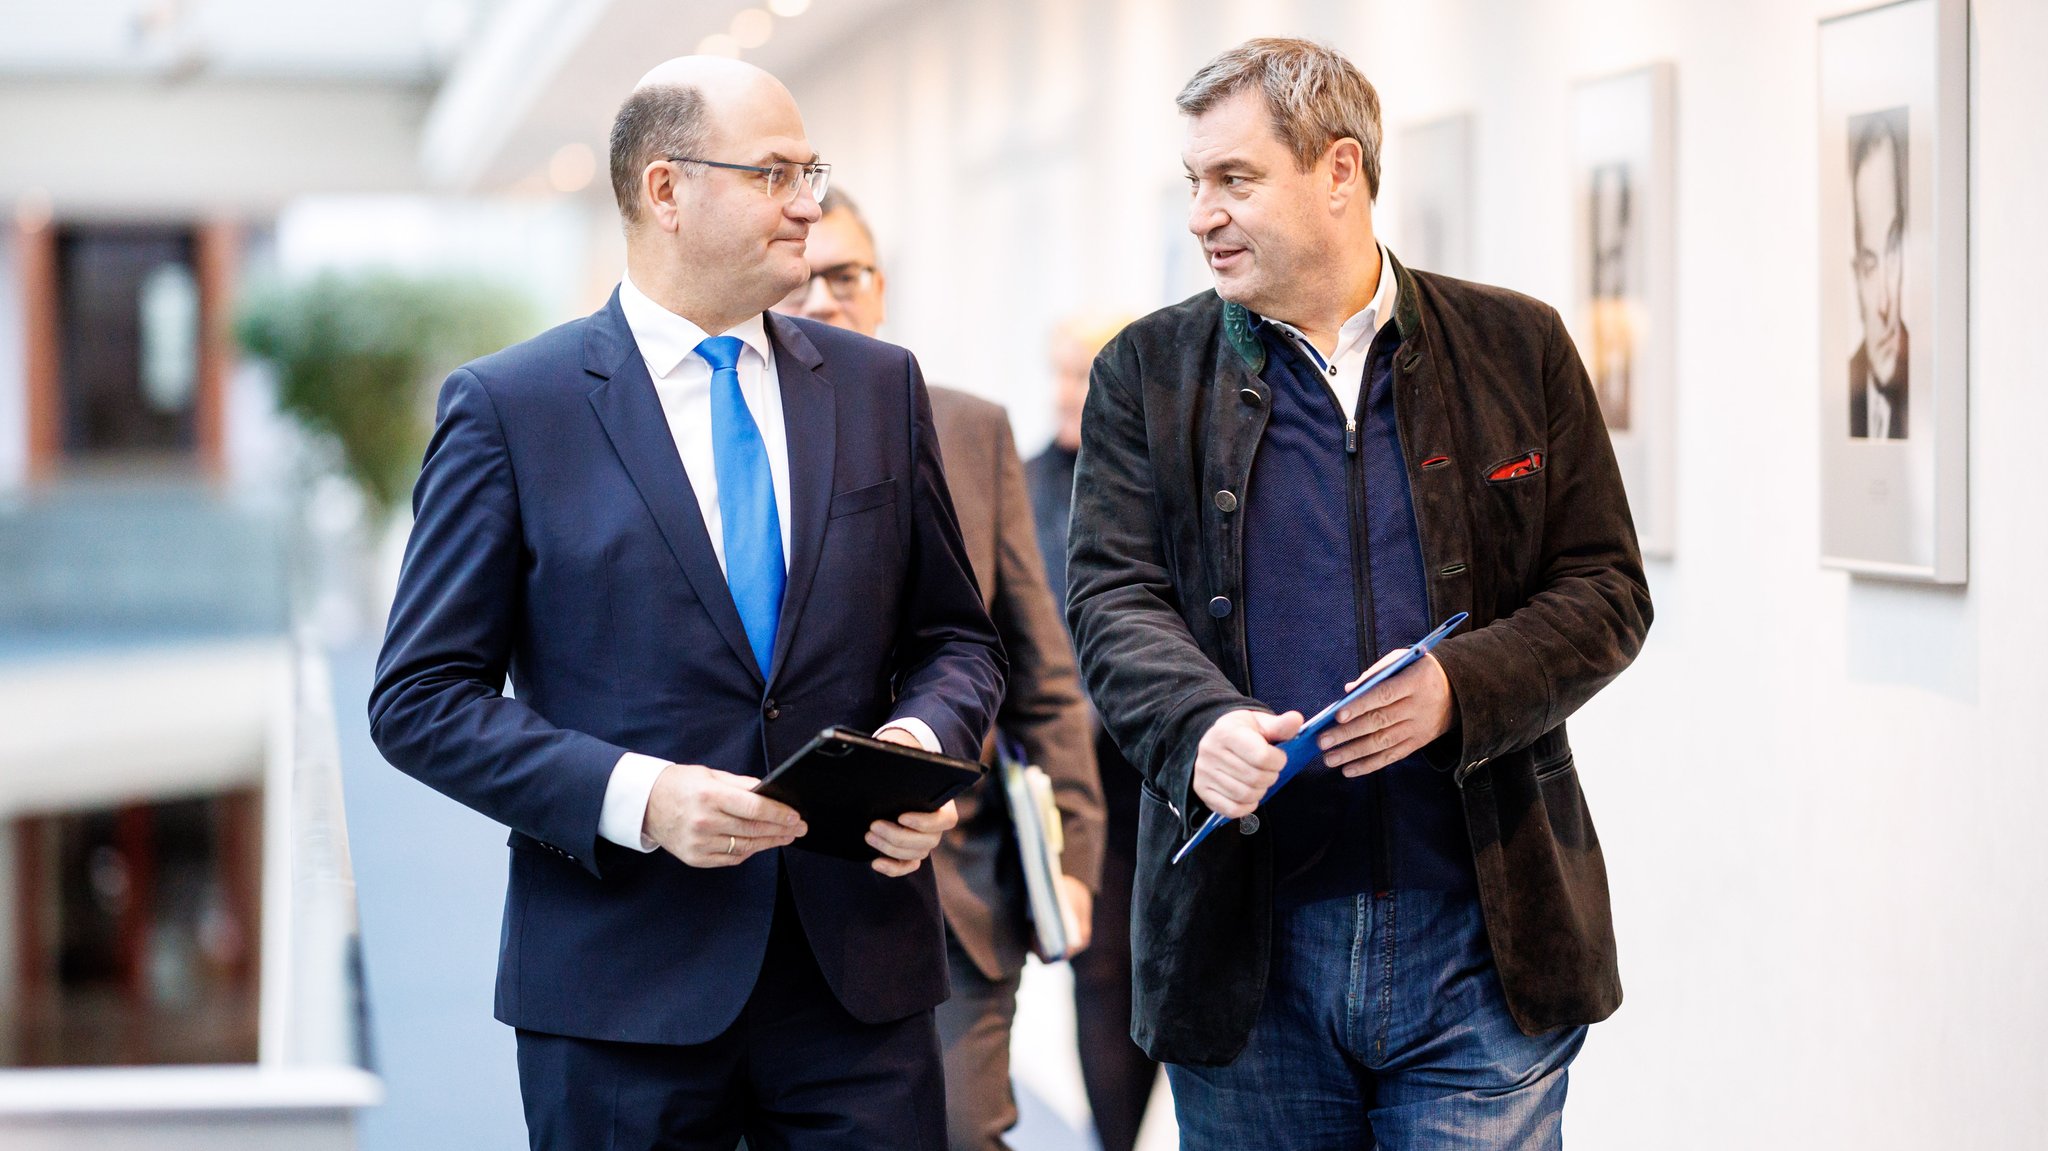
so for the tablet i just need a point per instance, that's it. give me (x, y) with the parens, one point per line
(842, 781)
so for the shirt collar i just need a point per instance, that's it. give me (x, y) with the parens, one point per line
(1365, 324)
(666, 339)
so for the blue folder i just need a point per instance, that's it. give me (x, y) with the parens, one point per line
(1302, 749)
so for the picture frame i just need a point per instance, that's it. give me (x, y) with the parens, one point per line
(1624, 312)
(1431, 196)
(1894, 291)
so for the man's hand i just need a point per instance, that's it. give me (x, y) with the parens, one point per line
(710, 818)
(906, 842)
(1394, 721)
(1236, 761)
(1083, 903)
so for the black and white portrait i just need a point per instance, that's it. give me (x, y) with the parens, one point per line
(1879, 391)
(1893, 162)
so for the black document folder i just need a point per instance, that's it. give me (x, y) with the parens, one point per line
(841, 782)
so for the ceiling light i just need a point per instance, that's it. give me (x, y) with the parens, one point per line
(718, 44)
(752, 27)
(789, 8)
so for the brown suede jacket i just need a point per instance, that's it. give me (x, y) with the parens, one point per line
(1523, 524)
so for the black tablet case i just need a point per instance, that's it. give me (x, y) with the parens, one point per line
(841, 782)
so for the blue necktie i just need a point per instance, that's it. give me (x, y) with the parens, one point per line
(746, 502)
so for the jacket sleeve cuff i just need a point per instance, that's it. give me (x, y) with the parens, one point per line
(625, 801)
(1177, 775)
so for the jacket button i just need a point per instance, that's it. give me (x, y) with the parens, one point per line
(1251, 396)
(1220, 606)
(1226, 501)
(771, 711)
(1249, 825)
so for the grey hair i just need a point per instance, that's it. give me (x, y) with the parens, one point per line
(838, 201)
(1315, 95)
(654, 123)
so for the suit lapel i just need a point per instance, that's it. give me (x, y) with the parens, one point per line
(631, 413)
(811, 425)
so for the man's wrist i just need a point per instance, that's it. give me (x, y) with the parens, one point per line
(916, 729)
(623, 818)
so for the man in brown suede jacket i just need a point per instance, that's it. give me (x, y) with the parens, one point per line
(1279, 483)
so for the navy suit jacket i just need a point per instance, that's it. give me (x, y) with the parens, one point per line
(557, 544)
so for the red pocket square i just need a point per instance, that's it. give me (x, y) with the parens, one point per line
(1516, 468)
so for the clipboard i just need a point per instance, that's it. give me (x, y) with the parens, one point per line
(1040, 840)
(842, 781)
(1302, 749)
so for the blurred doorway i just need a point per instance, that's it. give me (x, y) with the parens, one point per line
(136, 933)
(127, 345)
(129, 357)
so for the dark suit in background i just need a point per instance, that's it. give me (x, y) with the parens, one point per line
(1119, 1075)
(1859, 392)
(558, 544)
(981, 881)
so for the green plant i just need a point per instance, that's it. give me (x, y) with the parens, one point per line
(357, 355)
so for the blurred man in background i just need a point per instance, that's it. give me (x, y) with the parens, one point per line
(1117, 1073)
(981, 885)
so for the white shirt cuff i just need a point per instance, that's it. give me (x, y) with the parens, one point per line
(625, 800)
(916, 729)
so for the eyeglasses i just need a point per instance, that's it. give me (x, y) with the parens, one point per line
(783, 179)
(845, 281)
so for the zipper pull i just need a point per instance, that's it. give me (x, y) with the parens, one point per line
(1350, 437)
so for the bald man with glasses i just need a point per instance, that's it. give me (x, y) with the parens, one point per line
(691, 534)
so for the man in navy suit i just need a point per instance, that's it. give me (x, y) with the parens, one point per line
(691, 536)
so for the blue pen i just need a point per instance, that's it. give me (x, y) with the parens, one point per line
(1302, 749)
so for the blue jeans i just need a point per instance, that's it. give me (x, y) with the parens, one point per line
(1383, 1026)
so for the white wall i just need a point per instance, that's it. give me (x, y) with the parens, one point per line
(232, 148)
(1821, 797)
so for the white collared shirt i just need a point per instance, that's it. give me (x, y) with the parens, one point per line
(1345, 372)
(682, 381)
(1877, 410)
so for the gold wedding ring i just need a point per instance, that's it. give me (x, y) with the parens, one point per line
(732, 845)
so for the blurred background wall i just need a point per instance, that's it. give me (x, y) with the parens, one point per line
(1819, 794)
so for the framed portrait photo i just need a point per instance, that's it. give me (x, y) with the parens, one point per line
(1431, 193)
(1894, 291)
(1624, 312)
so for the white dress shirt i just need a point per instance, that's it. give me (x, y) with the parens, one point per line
(682, 381)
(1877, 410)
(1345, 372)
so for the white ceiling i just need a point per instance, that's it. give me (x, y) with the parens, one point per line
(550, 73)
(372, 40)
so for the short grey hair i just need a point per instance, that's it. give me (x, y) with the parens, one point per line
(838, 201)
(654, 123)
(1315, 95)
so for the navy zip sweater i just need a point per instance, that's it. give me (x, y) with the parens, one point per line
(1333, 577)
